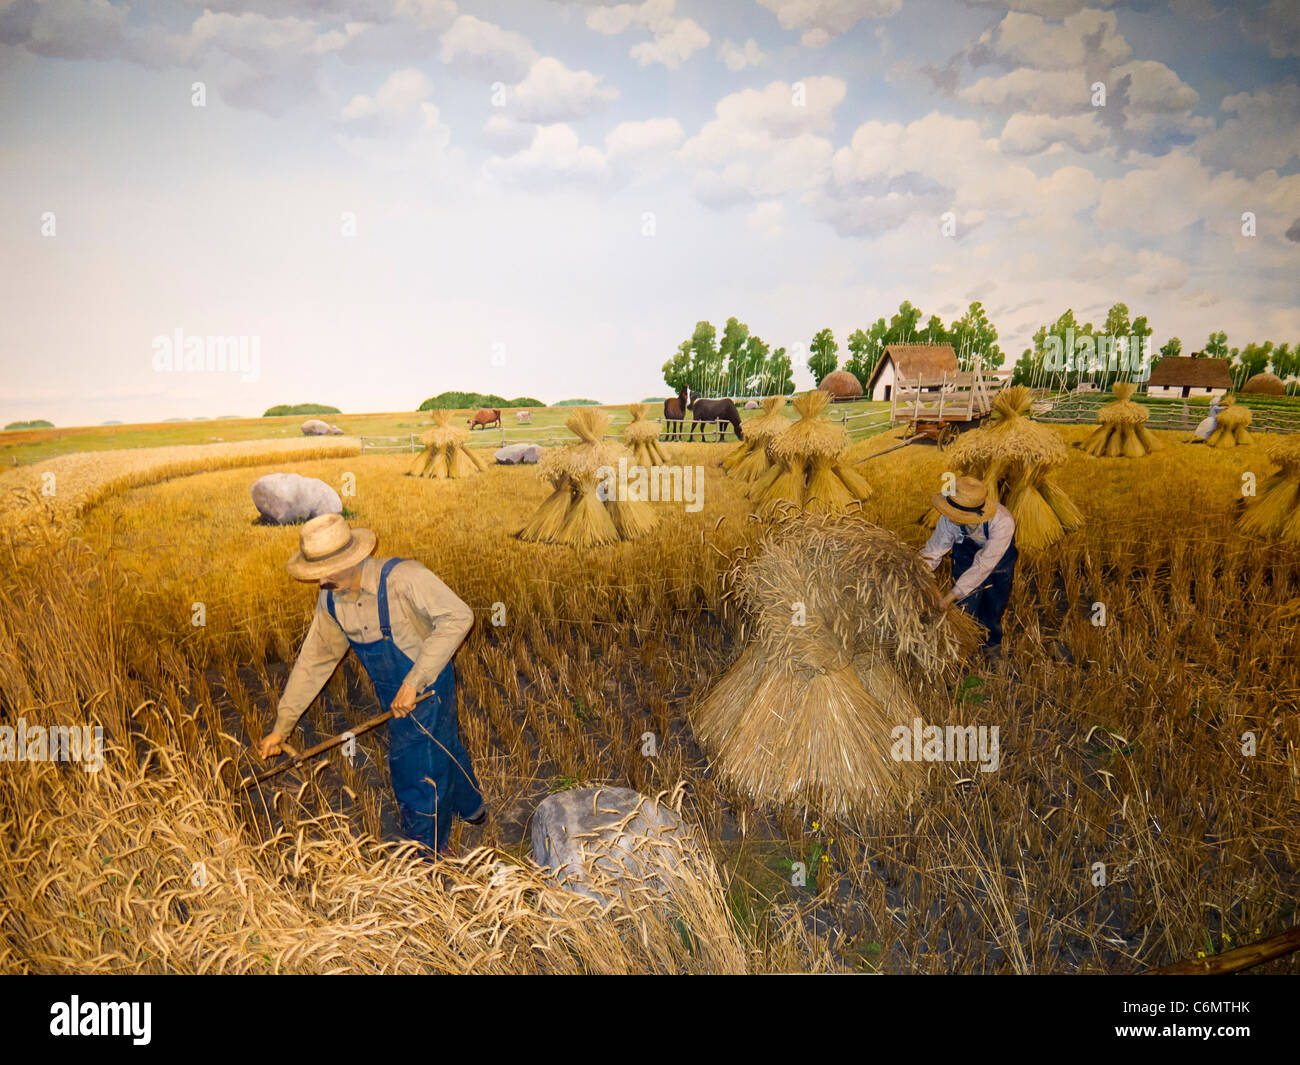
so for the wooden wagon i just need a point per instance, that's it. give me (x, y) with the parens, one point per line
(938, 408)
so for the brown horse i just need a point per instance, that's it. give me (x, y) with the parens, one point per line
(675, 413)
(715, 410)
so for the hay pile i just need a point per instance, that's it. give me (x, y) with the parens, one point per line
(575, 513)
(642, 439)
(806, 463)
(445, 454)
(1230, 425)
(1015, 456)
(749, 461)
(1123, 432)
(804, 718)
(1276, 511)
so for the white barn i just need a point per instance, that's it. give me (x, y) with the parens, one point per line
(912, 362)
(1184, 376)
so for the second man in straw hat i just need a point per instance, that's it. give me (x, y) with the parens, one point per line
(404, 625)
(981, 534)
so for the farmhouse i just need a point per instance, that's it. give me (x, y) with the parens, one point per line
(1188, 375)
(912, 362)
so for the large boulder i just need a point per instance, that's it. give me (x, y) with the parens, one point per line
(514, 454)
(590, 839)
(752, 405)
(316, 427)
(282, 498)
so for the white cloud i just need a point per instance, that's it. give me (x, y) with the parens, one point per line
(742, 56)
(1278, 25)
(1263, 134)
(396, 99)
(486, 49)
(767, 218)
(636, 140)
(554, 158)
(553, 93)
(822, 20)
(674, 39)
(1028, 134)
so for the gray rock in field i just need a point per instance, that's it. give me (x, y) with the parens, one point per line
(589, 839)
(287, 497)
(514, 454)
(316, 427)
(752, 405)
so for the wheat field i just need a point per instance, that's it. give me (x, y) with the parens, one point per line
(1124, 829)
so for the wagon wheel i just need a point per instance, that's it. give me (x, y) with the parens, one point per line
(947, 434)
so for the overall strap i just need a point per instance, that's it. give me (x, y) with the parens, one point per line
(329, 603)
(384, 626)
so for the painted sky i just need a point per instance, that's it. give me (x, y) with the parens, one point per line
(501, 160)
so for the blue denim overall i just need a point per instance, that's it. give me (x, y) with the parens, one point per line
(431, 772)
(988, 602)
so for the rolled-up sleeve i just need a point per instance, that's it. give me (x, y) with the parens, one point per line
(1001, 531)
(320, 655)
(940, 543)
(448, 617)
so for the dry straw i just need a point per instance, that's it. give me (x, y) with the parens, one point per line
(1230, 425)
(574, 513)
(445, 454)
(1123, 432)
(1276, 512)
(848, 640)
(806, 463)
(749, 461)
(1015, 457)
(642, 439)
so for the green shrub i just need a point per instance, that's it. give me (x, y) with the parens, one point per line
(298, 409)
(579, 403)
(474, 400)
(34, 423)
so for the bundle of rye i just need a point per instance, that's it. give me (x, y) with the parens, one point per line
(847, 639)
(749, 461)
(445, 454)
(1015, 457)
(1122, 432)
(577, 511)
(1276, 511)
(807, 467)
(1230, 425)
(642, 439)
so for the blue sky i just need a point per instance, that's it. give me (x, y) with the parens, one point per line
(500, 159)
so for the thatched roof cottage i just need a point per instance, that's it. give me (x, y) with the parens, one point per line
(912, 362)
(1181, 376)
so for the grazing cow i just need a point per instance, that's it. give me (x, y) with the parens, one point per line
(675, 413)
(485, 418)
(524, 416)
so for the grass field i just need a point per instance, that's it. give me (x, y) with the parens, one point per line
(1121, 743)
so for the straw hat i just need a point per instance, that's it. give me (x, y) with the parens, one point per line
(969, 503)
(327, 544)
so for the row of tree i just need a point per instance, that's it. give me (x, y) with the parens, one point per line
(741, 363)
(1037, 368)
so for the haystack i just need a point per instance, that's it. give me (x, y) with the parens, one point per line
(805, 718)
(445, 454)
(749, 460)
(1275, 512)
(642, 439)
(575, 513)
(807, 467)
(1230, 425)
(1123, 432)
(1015, 457)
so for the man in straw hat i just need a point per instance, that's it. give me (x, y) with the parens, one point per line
(981, 534)
(404, 625)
